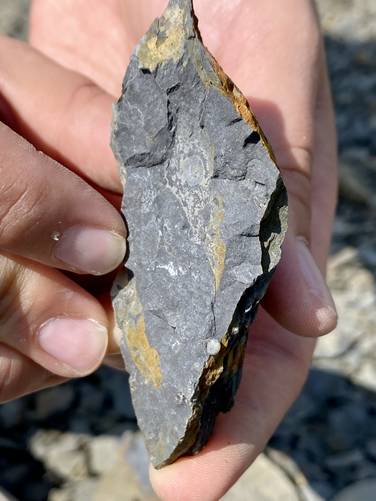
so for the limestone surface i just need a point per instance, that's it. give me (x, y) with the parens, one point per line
(207, 213)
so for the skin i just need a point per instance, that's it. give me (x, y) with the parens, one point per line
(278, 61)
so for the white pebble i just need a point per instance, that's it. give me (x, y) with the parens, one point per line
(213, 347)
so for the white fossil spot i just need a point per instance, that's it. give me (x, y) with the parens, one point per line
(213, 347)
(170, 268)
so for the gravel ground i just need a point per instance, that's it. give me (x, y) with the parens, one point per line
(79, 441)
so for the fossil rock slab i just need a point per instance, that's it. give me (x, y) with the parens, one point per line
(206, 212)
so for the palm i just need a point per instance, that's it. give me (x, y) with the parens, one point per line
(281, 71)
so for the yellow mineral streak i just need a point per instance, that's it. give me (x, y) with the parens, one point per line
(145, 357)
(241, 104)
(216, 246)
(225, 85)
(169, 44)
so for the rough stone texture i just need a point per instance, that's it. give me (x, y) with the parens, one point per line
(53, 401)
(84, 490)
(104, 452)
(64, 453)
(362, 491)
(128, 479)
(207, 213)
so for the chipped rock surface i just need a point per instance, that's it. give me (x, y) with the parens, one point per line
(206, 212)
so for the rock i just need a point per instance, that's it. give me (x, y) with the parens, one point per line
(62, 453)
(84, 490)
(131, 470)
(366, 374)
(294, 473)
(307, 493)
(103, 453)
(360, 491)
(353, 289)
(53, 401)
(207, 213)
(69, 465)
(344, 461)
(11, 413)
(357, 177)
(348, 425)
(13, 17)
(322, 490)
(5, 496)
(116, 384)
(264, 481)
(90, 398)
(137, 458)
(371, 449)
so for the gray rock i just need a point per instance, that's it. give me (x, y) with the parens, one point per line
(103, 453)
(128, 479)
(53, 401)
(264, 481)
(11, 413)
(207, 213)
(371, 449)
(84, 490)
(117, 387)
(136, 456)
(13, 18)
(348, 425)
(63, 453)
(362, 491)
(357, 176)
(344, 461)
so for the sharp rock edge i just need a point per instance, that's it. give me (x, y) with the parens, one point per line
(207, 213)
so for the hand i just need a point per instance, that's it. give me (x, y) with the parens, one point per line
(274, 52)
(50, 220)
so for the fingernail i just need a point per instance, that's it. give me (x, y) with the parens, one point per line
(326, 313)
(90, 250)
(77, 343)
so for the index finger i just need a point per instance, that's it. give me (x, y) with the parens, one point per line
(50, 215)
(60, 112)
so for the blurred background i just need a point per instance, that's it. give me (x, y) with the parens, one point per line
(69, 443)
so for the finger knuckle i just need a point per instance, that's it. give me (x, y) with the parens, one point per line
(295, 159)
(10, 284)
(22, 207)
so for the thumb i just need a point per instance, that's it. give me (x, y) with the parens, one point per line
(298, 297)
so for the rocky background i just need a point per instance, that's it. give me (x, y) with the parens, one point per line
(69, 443)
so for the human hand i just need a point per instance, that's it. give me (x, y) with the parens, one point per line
(50, 220)
(274, 53)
